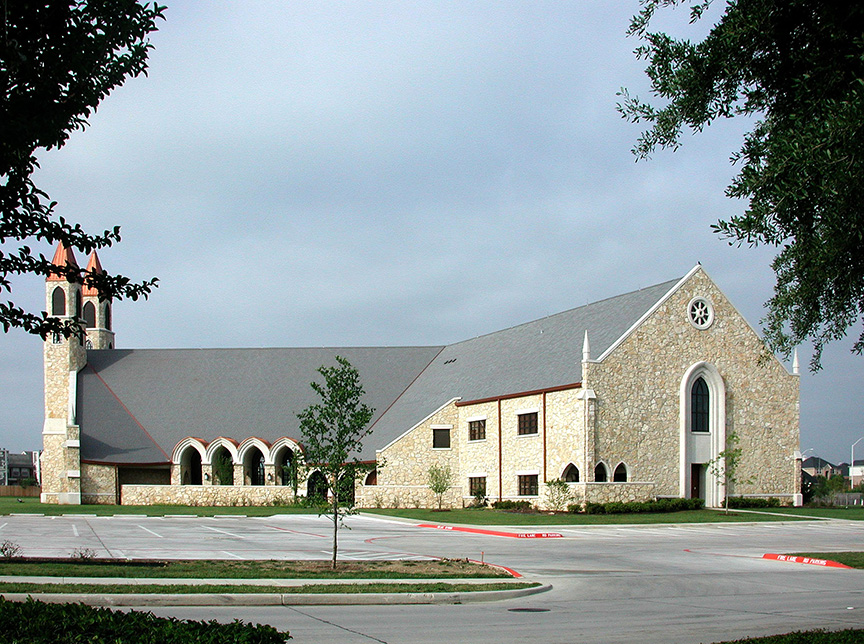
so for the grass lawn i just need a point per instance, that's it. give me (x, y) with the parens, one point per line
(499, 517)
(10, 504)
(854, 513)
(853, 559)
(219, 569)
(188, 589)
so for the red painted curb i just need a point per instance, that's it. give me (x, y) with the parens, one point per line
(806, 560)
(494, 533)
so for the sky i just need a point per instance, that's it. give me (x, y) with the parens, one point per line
(394, 173)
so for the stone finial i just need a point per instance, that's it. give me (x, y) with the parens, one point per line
(795, 368)
(586, 348)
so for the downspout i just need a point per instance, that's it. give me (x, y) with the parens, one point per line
(544, 437)
(500, 438)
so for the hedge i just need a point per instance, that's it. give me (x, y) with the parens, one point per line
(849, 636)
(36, 622)
(519, 506)
(741, 502)
(636, 507)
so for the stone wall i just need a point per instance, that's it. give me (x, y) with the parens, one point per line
(206, 495)
(638, 388)
(98, 484)
(405, 496)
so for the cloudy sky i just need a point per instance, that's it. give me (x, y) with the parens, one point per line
(393, 173)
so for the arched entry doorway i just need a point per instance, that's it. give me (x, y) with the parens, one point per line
(702, 433)
(253, 466)
(190, 467)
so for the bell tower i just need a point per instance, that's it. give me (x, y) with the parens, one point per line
(63, 358)
(96, 312)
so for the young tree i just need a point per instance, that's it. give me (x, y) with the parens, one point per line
(725, 466)
(558, 495)
(333, 432)
(58, 60)
(798, 67)
(440, 480)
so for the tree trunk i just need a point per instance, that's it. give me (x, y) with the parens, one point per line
(335, 525)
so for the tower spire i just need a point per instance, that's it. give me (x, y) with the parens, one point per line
(63, 257)
(586, 348)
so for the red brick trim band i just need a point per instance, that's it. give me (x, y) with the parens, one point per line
(806, 560)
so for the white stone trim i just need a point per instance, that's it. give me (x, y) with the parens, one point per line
(416, 425)
(72, 442)
(73, 474)
(650, 312)
(528, 410)
(189, 441)
(476, 475)
(69, 498)
(72, 410)
(710, 310)
(254, 441)
(216, 444)
(714, 488)
(528, 473)
(474, 419)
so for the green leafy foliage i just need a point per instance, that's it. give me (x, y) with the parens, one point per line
(558, 495)
(639, 507)
(333, 432)
(725, 466)
(58, 61)
(517, 506)
(440, 479)
(742, 502)
(797, 67)
(39, 623)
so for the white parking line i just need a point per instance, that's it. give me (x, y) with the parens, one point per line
(151, 532)
(231, 554)
(230, 534)
(75, 529)
(4, 525)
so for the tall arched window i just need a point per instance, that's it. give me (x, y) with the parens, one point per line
(699, 406)
(58, 302)
(620, 474)
(89, 315)
(77, 298)
(316, 488)
(571, 474)
(601, 474)
(107, 316)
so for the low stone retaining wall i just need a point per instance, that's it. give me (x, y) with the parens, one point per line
(206, 495)
(405, 496)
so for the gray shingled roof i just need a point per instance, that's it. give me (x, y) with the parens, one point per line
(135, 405)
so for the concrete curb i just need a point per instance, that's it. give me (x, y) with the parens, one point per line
(277, 599)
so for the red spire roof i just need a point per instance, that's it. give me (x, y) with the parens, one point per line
(93, 266)
(63, 257)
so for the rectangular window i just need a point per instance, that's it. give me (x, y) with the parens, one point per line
(477, 485)
(528, 485)
(477, 430)
(528, 423)
(440, 438)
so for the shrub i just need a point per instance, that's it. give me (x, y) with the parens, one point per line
(39, 623)
(518, 506)
(635, 507)
(741, 502)
(9, 550)
(558, 494)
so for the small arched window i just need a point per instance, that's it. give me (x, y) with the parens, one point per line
(58, 302)
(620, 475)
(571, 474)
(77, 304)
(90, 315)
(107, 316)
(371, 478)
(601, 475)
(699, 399)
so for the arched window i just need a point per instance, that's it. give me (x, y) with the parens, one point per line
(77, 299)
(371, 478)
(89, 315)
(620, 475)
(58, 302)
(316, 488)
(601, 474)
(571, 474)
(699, 405)
(108, 317)
(346, 489)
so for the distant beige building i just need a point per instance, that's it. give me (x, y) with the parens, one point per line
(629, 398)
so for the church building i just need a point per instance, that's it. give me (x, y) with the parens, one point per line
(630, 398)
